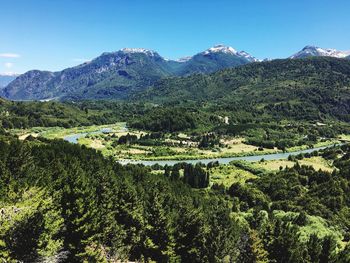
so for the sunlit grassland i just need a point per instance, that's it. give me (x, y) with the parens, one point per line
(314, 225)
(345, 137)
(60, 132)
(317, 162)
(318, 144)
(274, 165)
(165, 152)
(229, 174)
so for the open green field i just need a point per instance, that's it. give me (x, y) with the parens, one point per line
(345, 137)
(317, 162)
(60, 132)
(104, 142)
(180, 146)
(229, 174)
(231, 148)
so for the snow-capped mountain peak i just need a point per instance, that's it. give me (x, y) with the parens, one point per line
(221, 48)
(139, 50)
(248, 56)
(312, 51)
(230, 51)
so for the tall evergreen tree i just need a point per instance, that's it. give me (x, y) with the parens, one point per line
(314, 247)
(328, 249)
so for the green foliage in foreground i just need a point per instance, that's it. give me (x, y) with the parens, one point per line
(66, 203)
(61, 201)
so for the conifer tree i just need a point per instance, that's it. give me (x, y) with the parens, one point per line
(314, 248)
(160, 243)
(328, 248)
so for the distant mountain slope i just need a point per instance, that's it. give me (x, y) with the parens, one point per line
(118, 74)
(319, 84)
(28, 85)
(214, 59)
(6, 79)
(109, 75)
(312, 51)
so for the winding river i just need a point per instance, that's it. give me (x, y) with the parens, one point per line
(226, 160)
(73, 138)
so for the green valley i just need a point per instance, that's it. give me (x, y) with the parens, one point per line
(249, 164)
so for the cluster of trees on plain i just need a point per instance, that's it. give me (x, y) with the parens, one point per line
(127, 139)
(195, 176)
(209, 140)
(149, 139)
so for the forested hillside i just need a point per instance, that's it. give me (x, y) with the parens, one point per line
(62, 202)
(51, 114)
(301, 89)
(67, 203)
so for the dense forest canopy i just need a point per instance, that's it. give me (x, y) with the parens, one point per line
(68, 203)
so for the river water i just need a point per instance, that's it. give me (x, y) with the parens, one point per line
(226, 160)
(73, 138)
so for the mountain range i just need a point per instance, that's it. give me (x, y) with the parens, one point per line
(5, 79)
(304, 88)
(120, 74)
(312, 51)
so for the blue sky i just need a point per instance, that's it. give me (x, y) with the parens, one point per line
(55, 34)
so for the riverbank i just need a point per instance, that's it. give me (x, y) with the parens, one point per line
(61, 133)
(234, 155)
(102, 138)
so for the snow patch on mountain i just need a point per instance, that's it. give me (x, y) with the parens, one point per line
(184, 59)
(248, 56)
(220, 48)
(140, 50)
(231, 51)
(309, 51)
